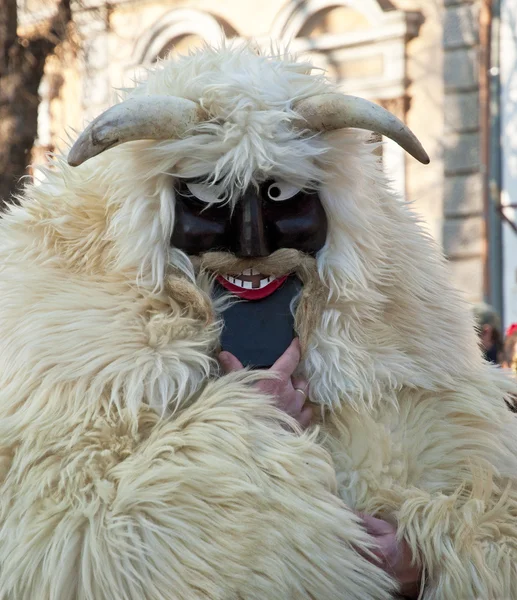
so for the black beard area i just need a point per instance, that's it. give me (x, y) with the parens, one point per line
(258, 332)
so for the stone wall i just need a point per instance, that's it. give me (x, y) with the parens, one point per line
(463, 228)
(425, 183)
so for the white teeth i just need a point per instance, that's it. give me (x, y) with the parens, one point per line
(248, 285)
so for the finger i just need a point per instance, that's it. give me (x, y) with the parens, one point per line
(289, 360)
(229, 362)
(301, 388)
(300, 383)
(305, 417)
(377, 527)
(294, 405)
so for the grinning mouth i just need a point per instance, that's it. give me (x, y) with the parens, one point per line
(251, 284)
(250, 279)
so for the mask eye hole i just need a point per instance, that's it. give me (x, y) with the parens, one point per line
(208, 194)
(279, 190)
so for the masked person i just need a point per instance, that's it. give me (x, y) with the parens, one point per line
(510, 349)
(230, 203)
(488, 325)
(510, 359)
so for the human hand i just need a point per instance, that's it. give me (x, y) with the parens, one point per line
(395, 556)
(290, 393)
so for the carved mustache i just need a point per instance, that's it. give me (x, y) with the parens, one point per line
(281, 262)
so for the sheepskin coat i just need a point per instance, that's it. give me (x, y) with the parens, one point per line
(131, 469)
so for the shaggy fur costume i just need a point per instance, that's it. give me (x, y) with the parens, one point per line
(130, 469)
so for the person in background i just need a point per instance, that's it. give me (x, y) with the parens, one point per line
(510, 349)
(488, 325)
(510, 358)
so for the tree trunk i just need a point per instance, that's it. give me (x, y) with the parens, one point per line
(22, 62)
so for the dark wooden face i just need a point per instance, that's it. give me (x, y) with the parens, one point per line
(266, 219)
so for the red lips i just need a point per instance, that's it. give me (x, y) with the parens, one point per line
(253, 293)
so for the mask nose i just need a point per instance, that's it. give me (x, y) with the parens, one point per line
(249, 226)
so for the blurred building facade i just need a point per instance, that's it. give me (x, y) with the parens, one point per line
(434, 63)
(506, 72)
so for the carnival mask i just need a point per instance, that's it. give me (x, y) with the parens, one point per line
(266, 218)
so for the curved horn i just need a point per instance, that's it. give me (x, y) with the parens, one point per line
(326, 112)
(138, 118)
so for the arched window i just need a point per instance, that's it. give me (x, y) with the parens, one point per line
(181, 30)
(295, 16)
(181, 44)
(361, 44)
(334, 20)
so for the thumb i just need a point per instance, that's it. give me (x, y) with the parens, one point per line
(377, 527)
(229, 362)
